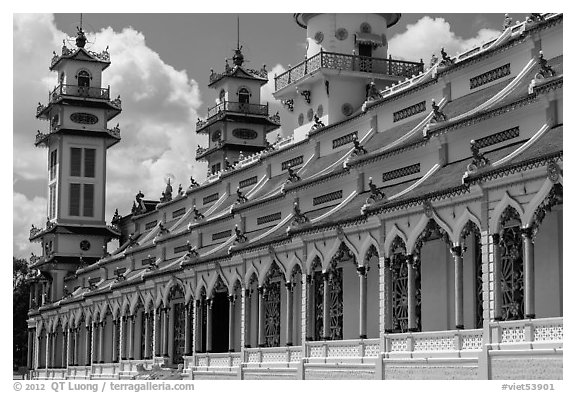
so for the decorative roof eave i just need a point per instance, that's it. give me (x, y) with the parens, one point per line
(216, 219)
(202, 186)
(99, 291)
(235, 170)
(512, 42)
(301, 19)
(406, 203)
(244, 249)
(312, 181)
(139, 247)
(257, 202)
(126, 283)
(225, 115)
(59, 228)
(514, 168)
(290, 147)
(235, 73)
(94, 57)
(377, 156)
(309, 229)
(321, 130)
(162, 272)
(549, 85)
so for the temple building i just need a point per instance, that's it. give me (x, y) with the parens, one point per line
(408, 224)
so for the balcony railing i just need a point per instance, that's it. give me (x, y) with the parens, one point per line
(238, 107)
(229, 359)
(273, 355)
(79, 91)
(533, 332)
(339, 61)
(357, 348)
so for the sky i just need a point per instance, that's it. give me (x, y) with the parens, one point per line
(160, 65)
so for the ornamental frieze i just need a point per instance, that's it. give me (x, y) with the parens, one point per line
(490, 76)
(410, 111)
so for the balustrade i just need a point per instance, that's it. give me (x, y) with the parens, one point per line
(238, 107)
(451, 340)
(549, 331)
(227, 360)
(339, 61)
(359, 348)
(79, 91)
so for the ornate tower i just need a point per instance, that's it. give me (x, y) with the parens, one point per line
(78, 112)
(239, 122)
(345, 55)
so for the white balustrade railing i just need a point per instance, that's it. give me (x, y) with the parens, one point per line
(226, 360)
(543, 330)
(450, 340)
(273, 355)
(358, 348)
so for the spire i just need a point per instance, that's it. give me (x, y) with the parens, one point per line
(238, 58)
(80, 36)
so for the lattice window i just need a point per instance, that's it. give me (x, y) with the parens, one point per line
(179, 212)
(268, 218)
(336, 297)
(512, 279)
(316, 352)
(401, 172)
(150, 225)
(318, 306)
(498, 137)
(410, 111)
(399, 293)
(344, 140)
(210, 198)
(490, 76)
(248, 182)
(327, 198)
(292, 162)
(472, 229)
(272, 306)
(221, 235)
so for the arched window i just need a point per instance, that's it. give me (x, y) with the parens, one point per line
(83, 79)
(243, 96)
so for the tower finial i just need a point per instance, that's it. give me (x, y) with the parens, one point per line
(238, 58)
(80, 36)
(237, 31)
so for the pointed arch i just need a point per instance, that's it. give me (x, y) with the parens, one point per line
(421, 226)
(201, 285)
(336, 247)
(392, 234)
(217, 282)
(316, 253)
(235, 280)
(462, 221)
(550, 194)
(174, 282)
(294, 263)
(271, 268)
(367, 246)
(506, 201)
(249, 273)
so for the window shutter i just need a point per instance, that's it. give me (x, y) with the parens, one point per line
(88, 200)
(89, 162)
(75, 161)
(74, 199)
(53, 160)
(52, 212)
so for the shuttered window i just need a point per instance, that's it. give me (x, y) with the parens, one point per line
(52, 198)
(74, 199)
(75, 161)
(89, 162)
(88, 200)
(53, 160)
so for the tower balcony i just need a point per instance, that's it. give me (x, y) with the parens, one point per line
(393, 69)
(230, 107)
(100, 93)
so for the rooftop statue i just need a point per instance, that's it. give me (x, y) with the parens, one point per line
(545, 69)
(80, 38)
(317, 123)
(358, 148)
(138, 206)
(446, 60)
(240, 237)
(193, 183)
(438, 115)
(240, 197)
(292, 175)
(167, 194)
(372, 92)
(507, 22)
(197, 214)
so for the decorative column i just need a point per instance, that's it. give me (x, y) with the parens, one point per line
(65, 346)
(146, 354)
(388, 286)
(497, 276)
(187, 329)
(289, 313)
(123, 337)
(157, 316)
(458, 287)
(247, 317)
(261, 318)
(412, 326)
(87, 344)
(165, 332)
(528, 243)
(309, 309)
(197, 326)
(362, 314)
(94, 343)
(231, 323)
(76, 345)
(70, 346)
(131, 335)
(53, 350)
(114, 340)
(326, 307)
(30, 352)
(48, 349)
(208, 325)
(101, 342)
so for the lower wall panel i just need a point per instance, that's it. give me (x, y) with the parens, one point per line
(528, 366)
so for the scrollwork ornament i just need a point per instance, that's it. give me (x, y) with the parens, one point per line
(554, 172)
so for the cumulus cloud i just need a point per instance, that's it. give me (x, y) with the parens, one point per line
(157, 124)
(428, 35)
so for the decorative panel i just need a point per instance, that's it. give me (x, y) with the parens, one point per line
(399, 293)
(150, 225)
(248, 182)
(83, 118)
(268, 218)
(401, 172)
(327, 198)
(179, 212)
(221, 235)
(409, 111)
(490, 76)
(512, 279)
(244, 133)
(210, 198)
(179, 249)
(343, 140)
(179, 333)
(292, 162)
(498, 137)
(148, 261)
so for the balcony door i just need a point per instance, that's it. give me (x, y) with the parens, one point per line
(365, 53)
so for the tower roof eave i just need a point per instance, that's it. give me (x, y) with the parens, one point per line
(303, 18)
(102, 58)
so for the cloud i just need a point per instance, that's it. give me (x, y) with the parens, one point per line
(27, 211)
(428, 35)
(157, 124)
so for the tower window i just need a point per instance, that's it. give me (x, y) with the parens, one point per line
(53, 162)
(83, 79)
(52, 196)
(243, 95)
(89, 162)
(74, 199)
(75, 161)
(88, 209)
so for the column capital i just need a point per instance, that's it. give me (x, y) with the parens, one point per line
(495, 238)
(326, 275)
(361, 270)
(456, 251)
(527, 232)
(387, 262)
(260, 289)
(247, 292)
(231, 298)
(308, 278)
